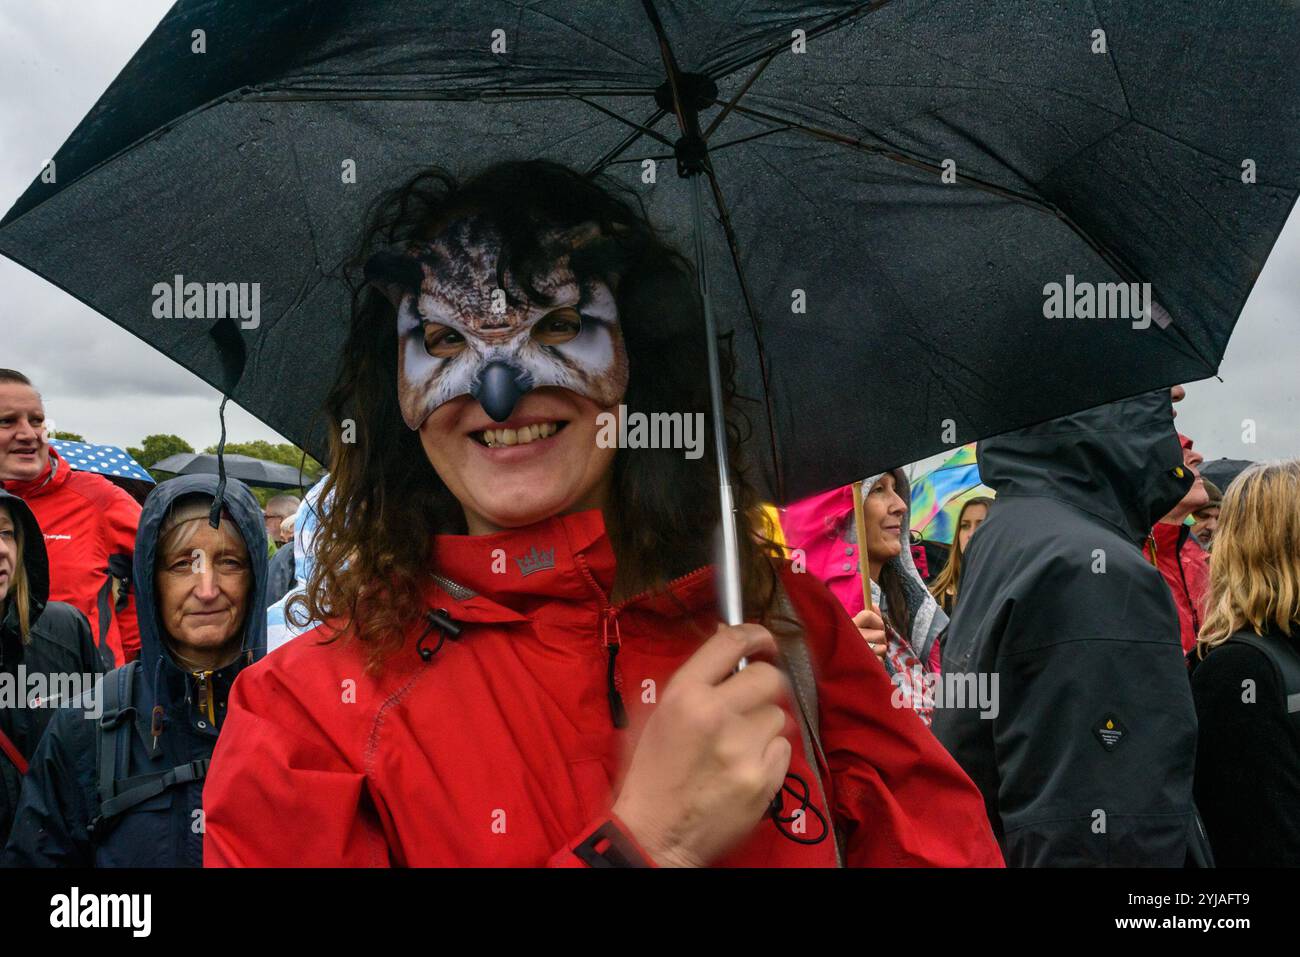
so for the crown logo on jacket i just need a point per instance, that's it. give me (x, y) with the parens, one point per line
(535, 561)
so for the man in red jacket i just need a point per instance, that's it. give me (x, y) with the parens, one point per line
(1179, 557)
(89, 523)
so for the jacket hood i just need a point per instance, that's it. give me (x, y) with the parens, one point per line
(1121, 463)
(247, 515)
(927, 618)
(36, 564)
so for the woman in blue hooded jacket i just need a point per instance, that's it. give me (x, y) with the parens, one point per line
(117, 780)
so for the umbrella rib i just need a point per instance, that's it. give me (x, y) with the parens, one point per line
(739, 93)
(861, 10)
(579, 131)
(712, 149)
(734, 248)
(1111, 258)
(1129, 274)
(307, 93)
(254, 93)
(643, 130)
(536, 10)
(1114, 66)
(613, 154)
(669, 61)
(654, 118)
(897, 156)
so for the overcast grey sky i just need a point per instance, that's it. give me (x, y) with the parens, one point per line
(57, 56)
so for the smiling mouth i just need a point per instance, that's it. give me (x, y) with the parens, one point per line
(501, 438)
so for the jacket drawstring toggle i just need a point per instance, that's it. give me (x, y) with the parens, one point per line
(156, 724)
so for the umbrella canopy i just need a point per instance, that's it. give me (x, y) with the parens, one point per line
(247, 469)
(109, 461)
(938, 495)
(909, 185)
(1222, 471)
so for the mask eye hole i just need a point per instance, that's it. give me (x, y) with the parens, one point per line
(441, 341)
(558, 327)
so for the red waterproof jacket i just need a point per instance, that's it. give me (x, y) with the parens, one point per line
(89, 527)
(501, 749)
(1185, 566)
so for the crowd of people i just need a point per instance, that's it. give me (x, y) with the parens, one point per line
(486, 639)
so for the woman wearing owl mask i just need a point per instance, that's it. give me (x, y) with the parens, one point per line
(521, 662)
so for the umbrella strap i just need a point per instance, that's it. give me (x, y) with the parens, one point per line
(219, 500)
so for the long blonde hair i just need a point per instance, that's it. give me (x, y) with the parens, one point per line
(1255, 564)
(949, 579)
(20, 590)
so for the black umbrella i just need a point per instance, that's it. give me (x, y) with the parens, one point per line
(249, 470)
(1222, 471)
(914, 205)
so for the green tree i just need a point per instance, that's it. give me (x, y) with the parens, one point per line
(155, 448)
(67, 436)
(282, 452)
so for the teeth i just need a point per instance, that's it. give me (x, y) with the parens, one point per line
(494, 438)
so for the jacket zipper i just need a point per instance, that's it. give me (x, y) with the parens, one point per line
(609, 619)
(205, 696)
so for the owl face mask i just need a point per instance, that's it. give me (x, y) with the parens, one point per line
(463, 331)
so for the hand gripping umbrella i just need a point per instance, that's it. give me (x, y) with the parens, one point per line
(1024, 209)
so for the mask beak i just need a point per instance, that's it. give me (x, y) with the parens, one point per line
(499, 389)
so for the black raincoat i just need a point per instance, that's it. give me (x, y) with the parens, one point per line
(60, 795)
(58, 658)
(1089, 756)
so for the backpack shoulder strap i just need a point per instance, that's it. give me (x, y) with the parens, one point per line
(141, 788)
(803, 681)
(1285, 660)
(114, 731)
(117, 792)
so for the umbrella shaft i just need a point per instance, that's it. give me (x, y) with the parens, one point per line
(729, 583)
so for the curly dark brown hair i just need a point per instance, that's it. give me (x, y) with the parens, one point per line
(386, 502)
